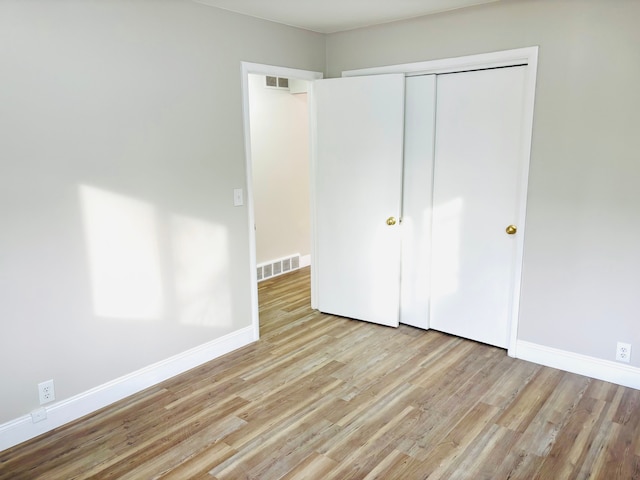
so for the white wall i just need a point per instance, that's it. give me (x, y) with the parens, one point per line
(280, 168)
(121, 142)
(580, 282)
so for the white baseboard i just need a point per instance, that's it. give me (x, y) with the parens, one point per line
(22, 428)
(606, 370)
(305, 261)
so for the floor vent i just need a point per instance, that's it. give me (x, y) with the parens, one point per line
(278, 267)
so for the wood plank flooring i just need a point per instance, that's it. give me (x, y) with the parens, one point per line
(322, 397)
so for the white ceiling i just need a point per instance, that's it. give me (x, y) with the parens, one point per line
(329, 16)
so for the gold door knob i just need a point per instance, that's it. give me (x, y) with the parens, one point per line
(511, 229)
(391, 221)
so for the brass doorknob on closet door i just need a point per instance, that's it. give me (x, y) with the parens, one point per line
(511, 229)
(391, 221)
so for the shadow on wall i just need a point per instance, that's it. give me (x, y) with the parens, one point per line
(137, 276)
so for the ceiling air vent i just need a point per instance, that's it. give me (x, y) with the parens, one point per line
(283, 82)
(276, 82)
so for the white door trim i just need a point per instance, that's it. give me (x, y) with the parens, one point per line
(504, 58)
(521, 56)
(259, 69)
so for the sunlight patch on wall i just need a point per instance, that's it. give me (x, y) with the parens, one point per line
(122, 240)
(201, 272)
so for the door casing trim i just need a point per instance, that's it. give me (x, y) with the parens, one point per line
(259, 69)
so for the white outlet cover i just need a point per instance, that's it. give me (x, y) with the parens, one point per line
(39, 415)
(623, 352)
(46, 392)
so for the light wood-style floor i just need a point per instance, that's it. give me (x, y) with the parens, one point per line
(322, 397)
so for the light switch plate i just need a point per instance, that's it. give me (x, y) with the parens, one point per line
(238, 198)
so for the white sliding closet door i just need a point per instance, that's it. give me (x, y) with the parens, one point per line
(478, 157)
(357, 191)
(420, 112)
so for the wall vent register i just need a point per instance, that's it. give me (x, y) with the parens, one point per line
(278, 267)
(276, 82)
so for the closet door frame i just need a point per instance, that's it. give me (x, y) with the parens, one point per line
(522, 56)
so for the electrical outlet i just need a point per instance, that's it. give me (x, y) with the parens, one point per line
(623, 352)
(39, 415)
(47, 392)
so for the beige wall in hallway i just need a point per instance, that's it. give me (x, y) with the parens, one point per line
(280, 168)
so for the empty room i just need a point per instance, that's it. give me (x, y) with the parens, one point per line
(433, 272)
